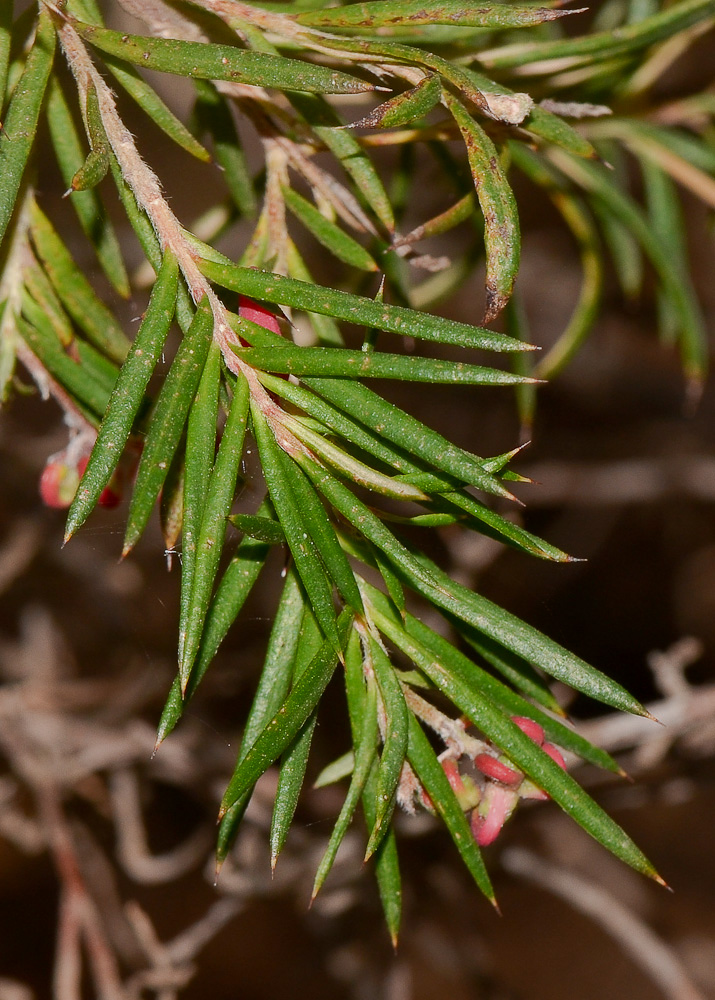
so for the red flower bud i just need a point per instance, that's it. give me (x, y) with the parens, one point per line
(256, 313)
(555, 755)
(450, 768)
(58, 482)
(493, 768)
(530, 728)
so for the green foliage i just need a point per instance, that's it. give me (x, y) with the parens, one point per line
(343, 469)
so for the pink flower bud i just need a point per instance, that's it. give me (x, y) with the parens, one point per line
(494, 810)
(58, 482)
(555, 755)
(256, 313)
(530, 728)
(450, 768)
(493, 768)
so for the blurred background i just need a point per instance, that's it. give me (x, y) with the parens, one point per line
(624, 477)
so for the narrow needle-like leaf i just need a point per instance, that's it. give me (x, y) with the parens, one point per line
(295, 759)
(297, 529)
(18, 133)
(200, 453)
(355, 308)
(205, 61)
(278, 734)
(496, 199)
(219, 497)
(169, 418)
(365, 753)
(79, 298)
(127, 395)
(429, 770)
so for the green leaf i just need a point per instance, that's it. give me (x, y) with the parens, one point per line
(496, 199)
(336, 771)
(429, 771)
(5, 45)
(394, 748)
(666, 218)
(350, 467)
(629, 38)
(91, 391)
(332, 237)
(322, 532)
(403, 108)
(152, 105)
(127, 395)
(387, 869)
(413, 636)
(403, 430)
(478, 517)
(294, 761)
(220, 493)
(516, 669)
(580, 222)
(332, 362)
(265, 529)
(214, 116)
(297, 526)
(271, 692)
(539, 121)
(365, 753)
(693, 337)
(168, 420)
(326, 124)
(325, 328)
(200, 453)
(391, 13)
(206, 61)
(278, 290)
(39, 289)
(278, 734)
(425, 577)
(93, 219)
(95, 167)
(79, 298)
(18, 133)
(235, 586)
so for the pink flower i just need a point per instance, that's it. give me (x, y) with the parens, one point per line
(492, 813)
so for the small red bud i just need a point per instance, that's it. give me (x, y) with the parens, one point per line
(555, 755)
(493, 768)
(530, 728)
(256, 313)
(58, 483)
(450, 768)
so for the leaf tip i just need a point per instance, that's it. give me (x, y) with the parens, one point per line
(495, 302)
(661, 881)
(694, 386)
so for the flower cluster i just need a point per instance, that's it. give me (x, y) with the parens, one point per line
(493, 799)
